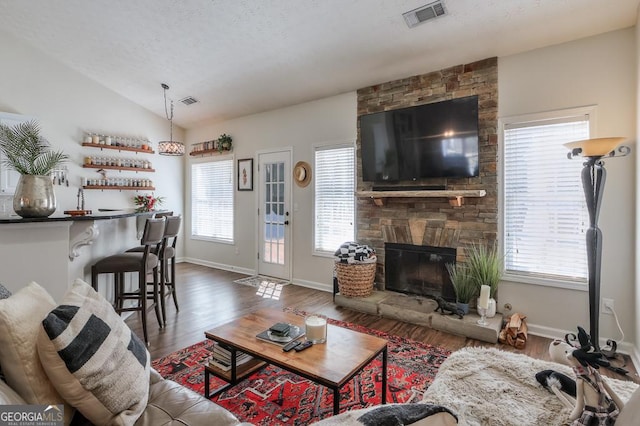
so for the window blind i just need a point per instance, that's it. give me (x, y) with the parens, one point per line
(212, 200)
(334, 197)
(545, 218)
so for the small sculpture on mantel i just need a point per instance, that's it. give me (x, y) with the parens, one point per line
(452, 308)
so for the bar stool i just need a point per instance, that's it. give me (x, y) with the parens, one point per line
(167, 256)
(143, 263)
(168, 260)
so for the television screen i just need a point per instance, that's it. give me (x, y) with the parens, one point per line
(432, 140)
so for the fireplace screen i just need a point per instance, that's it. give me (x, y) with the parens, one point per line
(419, 270)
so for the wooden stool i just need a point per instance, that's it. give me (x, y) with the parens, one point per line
(143, 263)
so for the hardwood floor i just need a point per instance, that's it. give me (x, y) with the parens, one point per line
(208, 297)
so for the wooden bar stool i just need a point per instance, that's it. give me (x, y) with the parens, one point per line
(168, 263)
(144, 263)
(167, 255)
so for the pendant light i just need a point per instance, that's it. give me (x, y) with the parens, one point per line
(169, 147)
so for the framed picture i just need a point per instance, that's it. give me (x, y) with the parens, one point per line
(245, 174)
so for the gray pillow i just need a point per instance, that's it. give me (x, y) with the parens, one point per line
(4, 292)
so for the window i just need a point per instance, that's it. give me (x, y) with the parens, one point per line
(334, 197)
(545, 213)
(212, 200)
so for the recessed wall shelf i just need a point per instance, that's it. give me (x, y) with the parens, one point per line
(456, 197)
(118, 148)
(132, 169)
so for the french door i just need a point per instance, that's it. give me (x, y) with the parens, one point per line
(274, 238)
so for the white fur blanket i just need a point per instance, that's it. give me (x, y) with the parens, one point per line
(494, 387)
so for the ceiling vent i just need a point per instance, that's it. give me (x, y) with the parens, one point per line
(424, 13)
(189, 100)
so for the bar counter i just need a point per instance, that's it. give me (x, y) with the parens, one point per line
(59, 217)
(54, 251)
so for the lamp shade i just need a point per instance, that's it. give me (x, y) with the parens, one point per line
(171, 148)
(597, 147)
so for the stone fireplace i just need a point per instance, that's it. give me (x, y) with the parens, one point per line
(419, 270)
(434, 221)
(430, 221)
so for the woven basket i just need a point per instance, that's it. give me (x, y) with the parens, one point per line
(356, 279)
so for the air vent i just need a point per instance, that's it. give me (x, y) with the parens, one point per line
(189, 100)
(424, 13)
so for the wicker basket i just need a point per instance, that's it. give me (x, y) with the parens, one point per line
(356, 279)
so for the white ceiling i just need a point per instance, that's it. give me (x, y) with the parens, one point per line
(239, 57)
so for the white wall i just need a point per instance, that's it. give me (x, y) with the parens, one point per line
(600, 71)
(636, 293)
(330, 120)
(66, 104)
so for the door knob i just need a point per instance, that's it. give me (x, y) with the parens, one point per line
(286, 222)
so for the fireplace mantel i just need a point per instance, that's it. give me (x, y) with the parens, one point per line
(455, 196)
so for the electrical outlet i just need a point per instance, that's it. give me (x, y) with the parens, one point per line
(607, 306)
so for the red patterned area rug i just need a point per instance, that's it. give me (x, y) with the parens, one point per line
(273, 396)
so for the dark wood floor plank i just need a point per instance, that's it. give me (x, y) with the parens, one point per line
(208, 297)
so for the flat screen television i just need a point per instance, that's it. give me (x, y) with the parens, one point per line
(426, 141)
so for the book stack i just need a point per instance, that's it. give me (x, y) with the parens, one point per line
(222, 357)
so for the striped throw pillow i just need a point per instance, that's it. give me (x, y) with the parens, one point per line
(94, 360)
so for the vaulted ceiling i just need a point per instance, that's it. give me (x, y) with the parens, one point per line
(239, 57)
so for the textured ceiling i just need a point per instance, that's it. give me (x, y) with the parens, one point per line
(239, 57)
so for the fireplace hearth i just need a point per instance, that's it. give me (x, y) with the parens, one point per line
(419, 270)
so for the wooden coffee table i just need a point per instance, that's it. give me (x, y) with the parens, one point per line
(331, 364)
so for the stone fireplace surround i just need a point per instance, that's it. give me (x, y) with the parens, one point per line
(432, 221)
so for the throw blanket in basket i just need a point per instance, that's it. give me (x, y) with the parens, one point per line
(352, 252)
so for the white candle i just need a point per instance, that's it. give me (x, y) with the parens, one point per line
(483, 300)
(316, 328)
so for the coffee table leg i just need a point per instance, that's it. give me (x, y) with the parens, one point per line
(206, 383)
(336, 401)
(384, 375)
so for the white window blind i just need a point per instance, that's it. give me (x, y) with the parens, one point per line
(212, 200)
(334, 197)
(545, 217)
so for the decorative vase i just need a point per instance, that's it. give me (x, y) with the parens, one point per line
(491, 310)
(464, 307)
(34, 196)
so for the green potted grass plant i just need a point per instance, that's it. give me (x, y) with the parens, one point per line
(463, 285)
(29, 154)
(486, 268)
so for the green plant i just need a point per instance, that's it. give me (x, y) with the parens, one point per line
(465, 288)
(26, 152)
(485, 266)
(224, 142)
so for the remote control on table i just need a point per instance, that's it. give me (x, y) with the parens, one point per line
(304, 345)
(291, 345)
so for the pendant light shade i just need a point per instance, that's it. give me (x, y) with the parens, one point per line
(170, 147)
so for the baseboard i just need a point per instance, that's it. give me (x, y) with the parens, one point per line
(555, 333)
(222, 266)
(313, 285)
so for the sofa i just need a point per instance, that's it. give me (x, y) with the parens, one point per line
(101, 376)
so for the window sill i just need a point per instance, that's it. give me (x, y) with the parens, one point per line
(546, 282)
(211, 240)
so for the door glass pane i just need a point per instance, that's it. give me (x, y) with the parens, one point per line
(274, 214)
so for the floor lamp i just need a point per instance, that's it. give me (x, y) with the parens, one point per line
(593, 179)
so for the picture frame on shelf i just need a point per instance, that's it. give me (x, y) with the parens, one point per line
(245, 174)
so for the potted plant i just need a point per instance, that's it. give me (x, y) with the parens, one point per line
(29, 154)
(224, 142)
(463, 285)
(486, 268)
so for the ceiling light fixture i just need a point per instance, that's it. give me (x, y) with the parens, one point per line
(169, 147)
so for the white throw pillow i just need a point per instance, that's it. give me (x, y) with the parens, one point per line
(94, 360)
(20, 318)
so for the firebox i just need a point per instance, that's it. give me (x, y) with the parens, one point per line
(419, 270)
